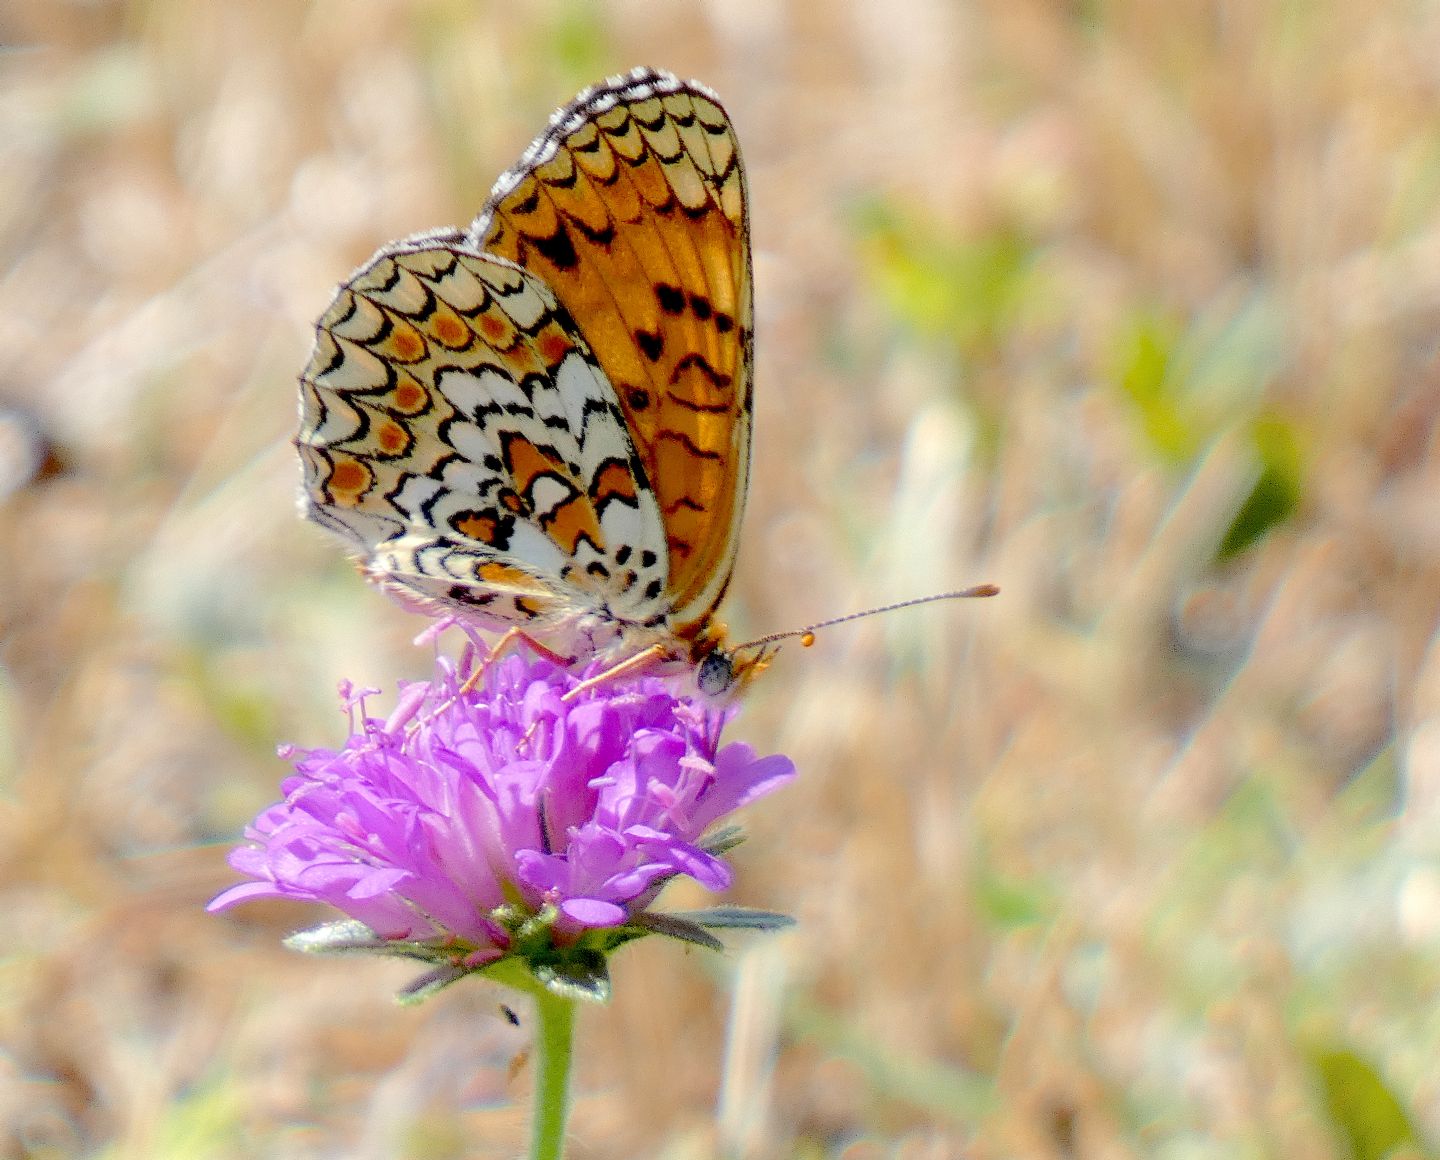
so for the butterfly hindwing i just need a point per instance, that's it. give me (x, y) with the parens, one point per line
(456, 428)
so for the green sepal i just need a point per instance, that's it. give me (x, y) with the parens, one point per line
(580, 974)
(735, 918)
(351, 937)
(677, 927)
(432, 982)
(721, 841)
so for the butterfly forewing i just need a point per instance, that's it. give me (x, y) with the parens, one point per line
(632, 209)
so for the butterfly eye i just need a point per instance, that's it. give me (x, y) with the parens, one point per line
(716, 673)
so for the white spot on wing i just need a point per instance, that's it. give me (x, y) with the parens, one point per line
(526, 306)
(469, 391)
(533, 547)
(577, 383)
(467, 479)
(414, 494)
(472, 442)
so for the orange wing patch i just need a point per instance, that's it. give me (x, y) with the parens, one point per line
(448, 328)
(570, 521)
(613, 482)
(511, 579)
(553, 346)
(348, 481)
(403, 344)
(551, 494)
(478, 526)
(392, 439)
(408, 398)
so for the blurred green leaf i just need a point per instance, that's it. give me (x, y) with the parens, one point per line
(1143, 356)
(1229, 356)
(963, 291)
(579, 42)
(1276, 494)
(1416, 189)
(1253, 826)
(433, 1135)
(1364, 1111)
(1189, 385)
(114, 87)
(1251, 838)
(1013, 902)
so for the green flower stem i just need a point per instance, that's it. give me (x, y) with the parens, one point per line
(554, 1037)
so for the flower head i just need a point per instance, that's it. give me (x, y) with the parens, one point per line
(489, 816)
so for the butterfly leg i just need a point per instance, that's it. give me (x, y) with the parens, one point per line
(511, 638)
(636, 663)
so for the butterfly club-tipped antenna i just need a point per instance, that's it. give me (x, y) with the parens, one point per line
(766, 646)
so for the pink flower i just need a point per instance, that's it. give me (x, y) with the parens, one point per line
(470, 813)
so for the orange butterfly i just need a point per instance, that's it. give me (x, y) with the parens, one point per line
(543, 422)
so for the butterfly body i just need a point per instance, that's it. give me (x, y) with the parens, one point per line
(542, 422)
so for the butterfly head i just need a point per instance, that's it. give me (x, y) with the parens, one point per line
(720, 670)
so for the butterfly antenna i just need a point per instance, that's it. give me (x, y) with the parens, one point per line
(807, 634)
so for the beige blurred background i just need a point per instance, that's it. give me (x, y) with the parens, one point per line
(1129, 307)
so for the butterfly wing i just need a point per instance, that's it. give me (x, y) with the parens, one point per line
(631, 207)
(457, 431)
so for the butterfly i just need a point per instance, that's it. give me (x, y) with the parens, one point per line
(541, 423)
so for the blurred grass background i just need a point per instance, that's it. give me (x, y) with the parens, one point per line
(1131, 308)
